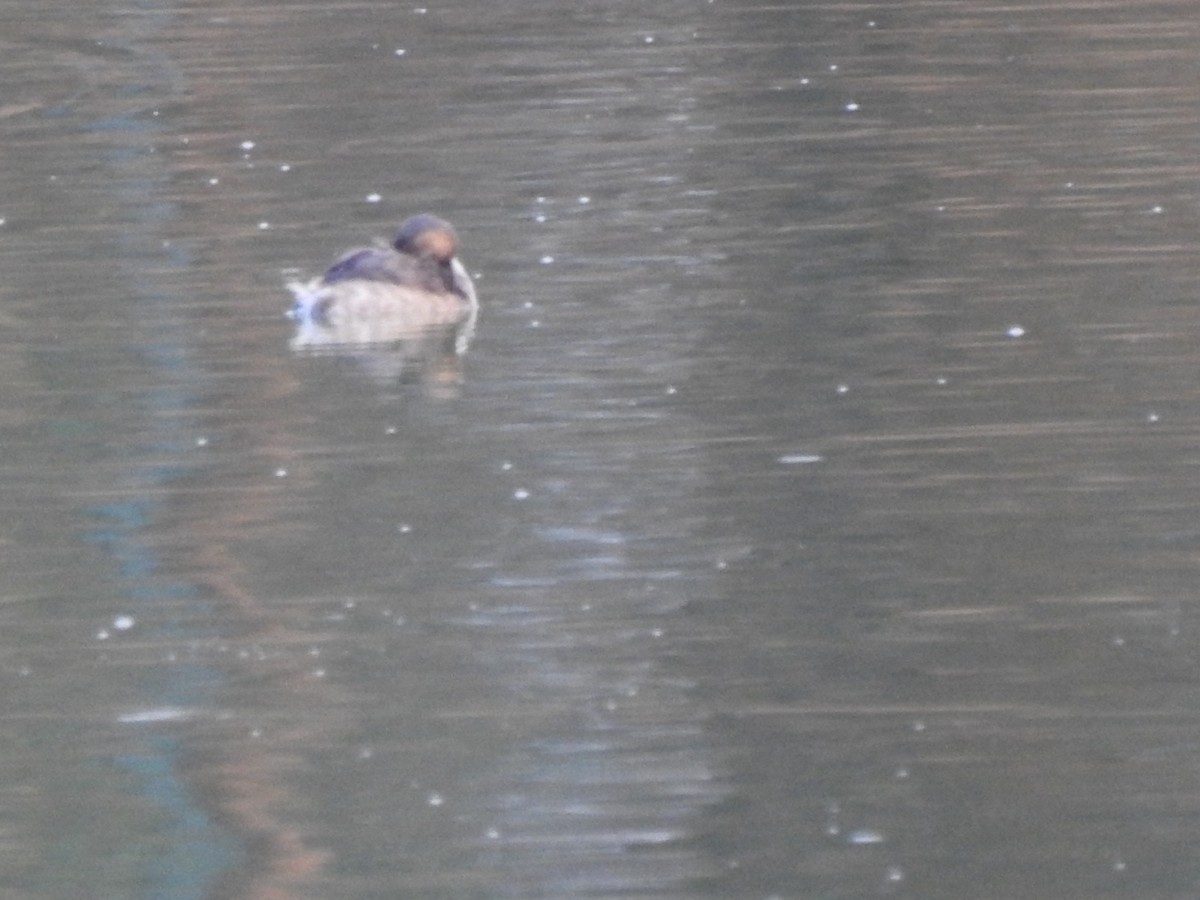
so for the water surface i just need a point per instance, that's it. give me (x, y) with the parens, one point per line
(814, 517)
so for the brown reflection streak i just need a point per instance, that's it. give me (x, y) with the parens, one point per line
(250, 785)
(248, 794)
(248, 782)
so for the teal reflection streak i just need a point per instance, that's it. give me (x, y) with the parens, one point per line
(193, 853)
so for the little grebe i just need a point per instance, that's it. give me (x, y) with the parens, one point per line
(417, 280)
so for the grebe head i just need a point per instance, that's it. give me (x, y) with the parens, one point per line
(426, 235)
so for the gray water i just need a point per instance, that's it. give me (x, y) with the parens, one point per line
(816, 514)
